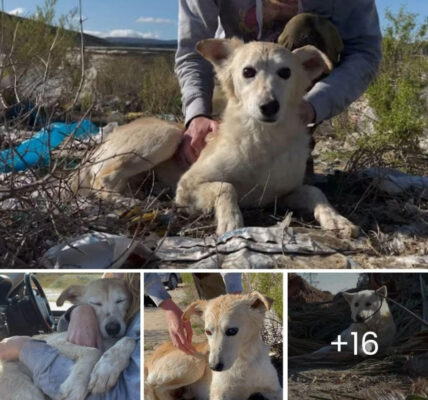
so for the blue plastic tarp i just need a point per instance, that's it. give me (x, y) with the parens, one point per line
(35, 152)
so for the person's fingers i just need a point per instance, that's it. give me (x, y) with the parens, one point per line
(197, 143)
(198, 138)
(185, 154)
(214, 125)
(189, 332)
(178, 342)
(183, 341)
(183, 333)
(190, 153)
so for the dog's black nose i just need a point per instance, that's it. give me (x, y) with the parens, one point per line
(270, 109)
(218, 367)
(360, 318)
(256, 396)
(113, 328)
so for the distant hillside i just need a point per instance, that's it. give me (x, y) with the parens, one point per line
(95, 41)
(139, 42)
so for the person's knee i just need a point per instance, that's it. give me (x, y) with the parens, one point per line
(311, 29)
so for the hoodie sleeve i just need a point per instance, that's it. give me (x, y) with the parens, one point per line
(232, 281)
(197, 20)
(154, 288)
(359, 64)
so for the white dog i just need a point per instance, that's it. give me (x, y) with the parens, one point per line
(370, 313)
(92, 371)
(233, 365)
(257, 157)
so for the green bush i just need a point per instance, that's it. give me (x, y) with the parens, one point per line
(270, 285)
(141, 83)
(396, 93)
(160, 92)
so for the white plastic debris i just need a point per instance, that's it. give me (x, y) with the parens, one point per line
(94, 250)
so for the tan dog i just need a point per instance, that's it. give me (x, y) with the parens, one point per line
(257, 157)
(92, 371)
(233, 365)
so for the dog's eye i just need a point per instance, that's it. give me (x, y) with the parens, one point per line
(232, 331)
(120, 301)
(356, 305)
(96, 304)
(368, 304)
(209, 333)
(284, 73)
(249, 72)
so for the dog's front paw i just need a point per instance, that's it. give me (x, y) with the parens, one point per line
(108, 369)
(331, 220)
(71, 390)
(228, 221)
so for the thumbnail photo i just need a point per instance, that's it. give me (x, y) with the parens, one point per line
(357, 336)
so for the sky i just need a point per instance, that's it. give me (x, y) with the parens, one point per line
(333, 282)
(154, 18)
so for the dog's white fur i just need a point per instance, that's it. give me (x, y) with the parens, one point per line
(244, 358)
(253, 160)
(370, 313)
(92, 371)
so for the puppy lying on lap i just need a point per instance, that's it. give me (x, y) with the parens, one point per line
(92, 370)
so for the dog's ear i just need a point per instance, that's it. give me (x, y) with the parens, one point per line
(197, 307)
(73, 293)
(260, 302)
(348, 296)
(382, 291)
(217, 51)
(314, 61)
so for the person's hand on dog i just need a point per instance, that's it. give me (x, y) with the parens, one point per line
(180, 332)
(306, 112)
(83, 329)
(10, 348)
(194, 139)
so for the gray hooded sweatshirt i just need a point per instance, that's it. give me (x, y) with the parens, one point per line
(356, 20)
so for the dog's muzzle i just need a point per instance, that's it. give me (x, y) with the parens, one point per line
(269, 110)
(113, 329)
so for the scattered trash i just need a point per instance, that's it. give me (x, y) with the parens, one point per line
(244, 248)
(254, 247)
(394, 182)
(36, 150)
(96, 250)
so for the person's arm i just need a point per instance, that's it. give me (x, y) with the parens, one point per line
(81, 324)
(232, 281)
(180, 332)
(359, 62)
(197, 20)
(154, 288)
(50, 369)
